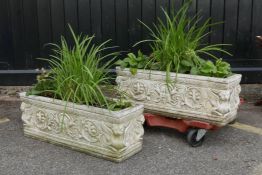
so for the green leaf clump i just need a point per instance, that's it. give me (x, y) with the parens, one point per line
(219, 69)
(134, 62)
(77, 72)
(176, 44)
(44, 86)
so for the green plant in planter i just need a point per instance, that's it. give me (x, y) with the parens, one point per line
(44, 85)
(77, 73)
(134, 62)
(219, 69)
(176, 46)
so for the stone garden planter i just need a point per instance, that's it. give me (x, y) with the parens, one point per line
(99, 132)
(208, 99)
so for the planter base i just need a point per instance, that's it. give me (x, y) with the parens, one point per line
(82, 148)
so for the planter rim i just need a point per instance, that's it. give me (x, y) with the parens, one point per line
(234, 77)
(69, 105)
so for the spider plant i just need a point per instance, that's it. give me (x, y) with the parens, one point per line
(176, 43)
(77, 72)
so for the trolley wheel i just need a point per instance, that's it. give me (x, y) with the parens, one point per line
(196, 137)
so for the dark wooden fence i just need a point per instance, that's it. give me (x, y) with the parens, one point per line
(27, 25)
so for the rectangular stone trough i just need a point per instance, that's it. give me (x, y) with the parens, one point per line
(208, 99)
(113, 135)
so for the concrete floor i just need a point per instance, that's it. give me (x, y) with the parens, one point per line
(228, 151)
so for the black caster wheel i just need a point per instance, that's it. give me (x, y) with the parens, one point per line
(196, 137)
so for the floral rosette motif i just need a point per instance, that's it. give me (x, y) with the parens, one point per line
(138, 90)
(89, 131)
(54, 124)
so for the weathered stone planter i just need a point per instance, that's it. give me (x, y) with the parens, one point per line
(213, 100)
(99, 132)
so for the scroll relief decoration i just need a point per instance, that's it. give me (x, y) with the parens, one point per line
(181, 96)
(115, 137)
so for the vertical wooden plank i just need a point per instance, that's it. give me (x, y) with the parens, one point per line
(244, 29)
(71, 18)
(44, 22)
(45, 29)
(148, 18)
(108, 20)
(192, 9)
(30, 32)
(135, 33)
(160, 6)
(204, 10)
(175, 5)
(16, 13)
(96, 21)
(58, 19)
(6, 49)
(84, 14)
(122, 39)
(256, 29)
(3, 59)
(108, 23)
(230, 28)
(217, 15)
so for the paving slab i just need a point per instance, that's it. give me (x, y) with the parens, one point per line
(228, 151)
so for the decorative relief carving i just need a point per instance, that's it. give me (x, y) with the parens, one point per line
(234, 99)
(135, 130)
(189, 96)
(193, 98)
(115, 137)
(90, 131)
(54, 124)
(154, 92)
(41, 120)
(220, 104)
(119, 137)
(102, 133)
(70, 125)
